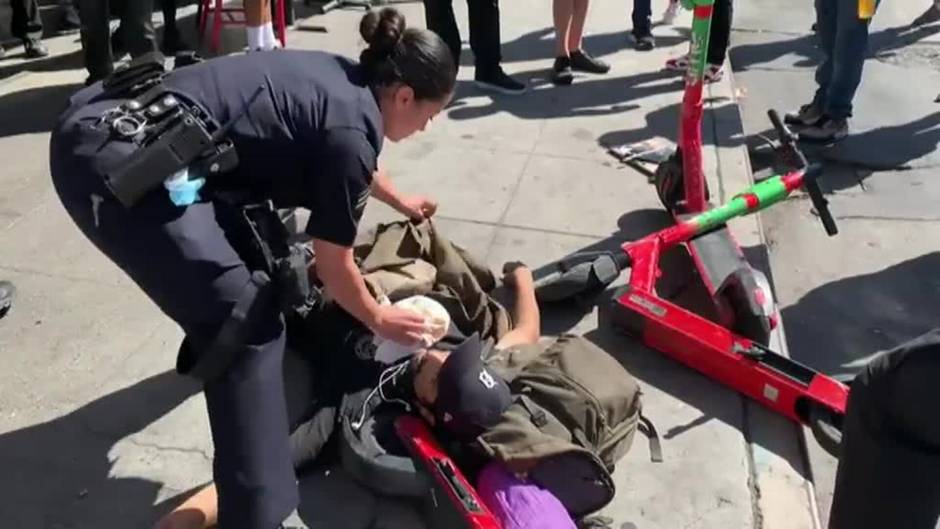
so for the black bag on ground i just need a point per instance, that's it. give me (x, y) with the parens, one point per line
(889, 472)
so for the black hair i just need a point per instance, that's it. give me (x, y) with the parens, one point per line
(414, 57)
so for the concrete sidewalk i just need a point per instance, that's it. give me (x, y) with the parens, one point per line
(95, 431)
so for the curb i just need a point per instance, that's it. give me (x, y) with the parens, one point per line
(782, 492)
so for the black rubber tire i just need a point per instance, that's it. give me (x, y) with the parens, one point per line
(826, 424)
(668, 182)
(370, 463)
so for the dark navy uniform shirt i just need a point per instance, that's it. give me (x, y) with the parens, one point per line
(310, 139)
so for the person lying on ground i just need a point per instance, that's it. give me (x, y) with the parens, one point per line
(432, 382)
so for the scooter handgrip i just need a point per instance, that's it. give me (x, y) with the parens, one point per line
(811, 183)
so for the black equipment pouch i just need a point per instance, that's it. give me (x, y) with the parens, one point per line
(269, 250)
(170, 133)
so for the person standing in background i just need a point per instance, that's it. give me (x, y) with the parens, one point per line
(484, 41)
(570, 56)
(26, 25)
(718, 41)
(258, 27)
(842, 27)
(136, 31)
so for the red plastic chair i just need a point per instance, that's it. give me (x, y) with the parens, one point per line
(228, 16)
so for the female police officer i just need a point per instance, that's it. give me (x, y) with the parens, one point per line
(307, 128)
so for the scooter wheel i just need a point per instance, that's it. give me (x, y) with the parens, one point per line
(668, 182)
(826, 424)
(748, 295)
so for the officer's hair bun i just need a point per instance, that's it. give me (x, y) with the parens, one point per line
(383, 30)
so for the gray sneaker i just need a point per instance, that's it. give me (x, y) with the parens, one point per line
(827, 130)
(808, 115)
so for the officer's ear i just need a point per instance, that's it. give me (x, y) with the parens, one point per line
(404, 96)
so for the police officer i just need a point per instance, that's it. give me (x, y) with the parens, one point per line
(307, 128)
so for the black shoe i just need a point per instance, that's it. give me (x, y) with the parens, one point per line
(582, 61)
(7, 293)
(35, 49)
(497, 81)
(561, 71)
(644, 42)
(807, 116)
(827, 130)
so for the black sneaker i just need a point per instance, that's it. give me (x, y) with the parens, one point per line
(561, 71)
(35, 49)
(807, 116)
(827, 130)
(498, 81)
(7, 293)
(583, 62)
(644, 42)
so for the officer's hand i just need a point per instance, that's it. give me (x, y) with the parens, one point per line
(399, 325)
(418, 207)
(516, 272)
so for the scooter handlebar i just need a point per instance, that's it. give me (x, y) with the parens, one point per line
(811, 183)
(788, 152)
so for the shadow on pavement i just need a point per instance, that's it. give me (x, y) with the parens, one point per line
(836, 327)
(882, 45)
(884, 148)
(58, 473)
(540, 44)
(588, 96)
(34, 109)
(54, 63)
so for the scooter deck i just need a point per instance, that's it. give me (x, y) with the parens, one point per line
(453, 501)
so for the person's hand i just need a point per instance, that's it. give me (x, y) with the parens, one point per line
(516, 271)
(399, 325)
(418, 207)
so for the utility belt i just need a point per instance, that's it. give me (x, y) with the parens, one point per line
(279, 282)
(170, 132)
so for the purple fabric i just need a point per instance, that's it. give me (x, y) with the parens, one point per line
(518, 504)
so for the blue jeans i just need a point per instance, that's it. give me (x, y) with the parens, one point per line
(843, 38)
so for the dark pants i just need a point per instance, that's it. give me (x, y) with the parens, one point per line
(137, 28)
(182, 259)
(484, 30)
(889, 470)
(843, 38)
(720, 30)
(25, 22)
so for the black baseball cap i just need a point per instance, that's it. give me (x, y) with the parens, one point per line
(470, 398)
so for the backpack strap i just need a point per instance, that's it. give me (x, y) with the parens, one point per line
(649, 430)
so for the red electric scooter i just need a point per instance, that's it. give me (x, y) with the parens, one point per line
(732, 346)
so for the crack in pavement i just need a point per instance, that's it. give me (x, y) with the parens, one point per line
(160, 448)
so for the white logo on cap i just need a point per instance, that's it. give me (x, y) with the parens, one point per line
(487, 379)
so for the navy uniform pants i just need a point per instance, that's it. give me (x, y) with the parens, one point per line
(889, 470)
(182, 259)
